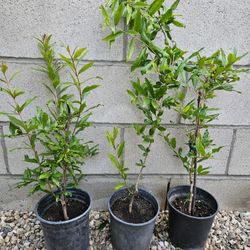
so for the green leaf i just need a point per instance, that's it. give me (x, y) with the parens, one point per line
(199, 146)
(17, 122)
(66, 60)
(142, 147)
(112, 37)
(129, 14)
(105, 17)
(114, 160)
(25, 104)
(175, 5)
(4, 68)
(115, 132)
(119, 186)
(89, 88)
(137, 22)
(155, 104)
(79, 52)
(14, 130)
(172, 142)
(155, 6)
(178, 24)
(85, 67)
(118, 14)
(30, 160)
(120, 149)
(44, 176)
(131, 47)
(166, 16)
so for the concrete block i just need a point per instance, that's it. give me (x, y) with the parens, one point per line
(162, 160)
(15, 155)
(213, 25)
(98, 164)
(231, 193)
(74, 23)
(29, 81)
(117, 107)
(233, 106)
(240, 161)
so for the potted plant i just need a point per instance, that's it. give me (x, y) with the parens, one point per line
(54, 147)
(132, 222)
(133, 210)
(192, 209)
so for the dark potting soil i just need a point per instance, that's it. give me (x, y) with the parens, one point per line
(142, 210)
(74, 209)
(202, 209)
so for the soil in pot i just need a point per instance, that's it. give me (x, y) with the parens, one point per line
(142, 211)
(202, 208)
(55, 213)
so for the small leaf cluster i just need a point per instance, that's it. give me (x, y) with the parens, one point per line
(57, 152)
(116, 158)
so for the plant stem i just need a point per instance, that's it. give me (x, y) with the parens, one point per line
(64, 207)
(62, 198)
(136, 189)
(193, 183)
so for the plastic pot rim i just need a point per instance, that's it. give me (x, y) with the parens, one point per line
(67, 221)
(134, 224)
(190, 216)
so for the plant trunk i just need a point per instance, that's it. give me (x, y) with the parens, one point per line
(63, 200)
(193, 184)
(135, 191)
(64, 207)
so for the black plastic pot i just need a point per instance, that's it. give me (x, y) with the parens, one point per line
(65, 235)
(185, 231)
(130, 236)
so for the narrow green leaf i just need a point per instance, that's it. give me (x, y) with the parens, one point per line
(89, 88)
(178, 24)
(120, 149)
(155, 6)
(137, 22)
(166, 16)
(44, 176)
(119, 186)
(199, 146)
(114, 160)
(105, 17)
(175, 5)
(131, 47)
(79, 52)
(118, 14)
(85, 67)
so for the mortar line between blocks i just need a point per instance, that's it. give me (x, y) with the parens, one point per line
(231, 151)
(5, 151)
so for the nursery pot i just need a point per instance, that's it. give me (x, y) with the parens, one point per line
(131, 236)
(72, 234)
(185, 231)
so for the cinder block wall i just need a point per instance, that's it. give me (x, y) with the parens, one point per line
(211, 24)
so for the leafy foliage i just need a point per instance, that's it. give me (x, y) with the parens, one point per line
(57, 151)
(207, 76)
(145, 21)
(116, 158)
